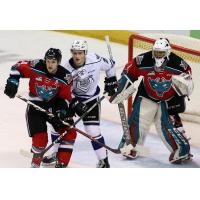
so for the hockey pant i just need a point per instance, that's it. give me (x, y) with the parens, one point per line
(144, 113)
(37, 128)
(92, 127)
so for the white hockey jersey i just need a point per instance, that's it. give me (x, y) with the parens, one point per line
(86, 78)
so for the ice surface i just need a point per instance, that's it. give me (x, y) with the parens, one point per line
(17, 45)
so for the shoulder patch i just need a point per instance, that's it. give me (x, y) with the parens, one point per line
(139, 59)
(68, 78)
(184, 65)
(21, 62)
(34, 62)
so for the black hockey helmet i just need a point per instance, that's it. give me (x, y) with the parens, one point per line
(53, 53)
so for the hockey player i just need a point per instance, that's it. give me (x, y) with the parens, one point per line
(49, 89)
(164, 76)
(85, 71)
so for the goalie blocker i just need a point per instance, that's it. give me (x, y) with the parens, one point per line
(124, 91)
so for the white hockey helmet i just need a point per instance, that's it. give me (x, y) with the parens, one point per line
(79, 45)
(161, 45)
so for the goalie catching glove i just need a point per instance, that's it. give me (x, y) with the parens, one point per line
(183, 84)
(124, 90)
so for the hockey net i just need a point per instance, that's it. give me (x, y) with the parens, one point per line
(185, 47)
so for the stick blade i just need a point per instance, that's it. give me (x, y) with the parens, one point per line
(141, 150)
(25, 153)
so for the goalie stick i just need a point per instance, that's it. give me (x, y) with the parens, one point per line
(143, 151)
(116, 151)
(126, 133)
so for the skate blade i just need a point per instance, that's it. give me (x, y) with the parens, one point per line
(48, 164)
(182, 160)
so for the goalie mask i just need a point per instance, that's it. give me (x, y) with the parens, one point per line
(161, 51)
(79, 45)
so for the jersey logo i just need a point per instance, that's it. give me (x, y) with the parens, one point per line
(160, 85)
(84, 84)
(46, 92)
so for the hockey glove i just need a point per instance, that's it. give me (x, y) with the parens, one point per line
(78, 107)
(110, 85)
(62, 112)
(66, 115)
(62, 115)
(11, 87)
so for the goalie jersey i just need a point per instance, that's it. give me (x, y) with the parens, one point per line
(86, 78)
(157, 82)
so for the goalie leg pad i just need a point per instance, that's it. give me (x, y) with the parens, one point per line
(171, 137)
(141, 118)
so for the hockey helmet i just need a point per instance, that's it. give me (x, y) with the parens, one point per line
(161, 51)
(79, 45)
(53, 53)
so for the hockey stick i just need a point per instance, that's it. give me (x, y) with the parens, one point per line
(120, 105)
(128, 147)
(116, 151)
(70, 126)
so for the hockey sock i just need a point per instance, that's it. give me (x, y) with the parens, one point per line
(39, 142)
(66, 146)
(99, 150)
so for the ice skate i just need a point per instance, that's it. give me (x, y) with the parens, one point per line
(103, 163)
(60, 165)
(49, 160)
(179, 160)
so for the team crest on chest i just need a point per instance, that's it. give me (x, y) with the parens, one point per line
(160, 85)
(46, 88)
(84, 84)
